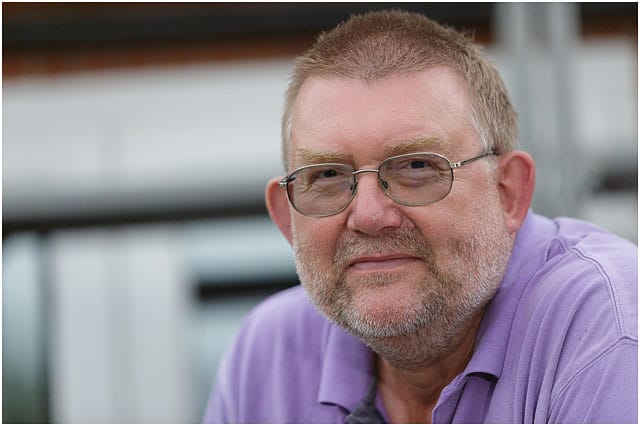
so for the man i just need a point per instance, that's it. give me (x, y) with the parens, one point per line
(430, 292)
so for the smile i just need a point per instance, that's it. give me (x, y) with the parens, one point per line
(381, 263)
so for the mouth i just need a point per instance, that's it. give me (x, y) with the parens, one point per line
(382, 263)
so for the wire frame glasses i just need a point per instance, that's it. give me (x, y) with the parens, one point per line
(416, 179)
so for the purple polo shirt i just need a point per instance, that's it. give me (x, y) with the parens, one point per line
(557, 344)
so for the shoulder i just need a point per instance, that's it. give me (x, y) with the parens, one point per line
(287, 315)
(592, 275)
(585, 281)
(570, 304)
(273, 365)
(577, 315)
(281, 326)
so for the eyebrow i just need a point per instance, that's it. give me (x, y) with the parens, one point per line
(416, 144)
(306, 156)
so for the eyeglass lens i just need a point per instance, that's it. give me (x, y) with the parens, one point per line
(412, 180)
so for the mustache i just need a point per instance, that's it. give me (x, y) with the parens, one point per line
(351, 246)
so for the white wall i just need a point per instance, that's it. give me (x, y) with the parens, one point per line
(201, 135)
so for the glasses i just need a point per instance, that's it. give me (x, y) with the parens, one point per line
(417, 179)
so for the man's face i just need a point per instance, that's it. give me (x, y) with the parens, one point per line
(377, 268)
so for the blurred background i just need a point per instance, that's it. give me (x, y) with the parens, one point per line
(137, 141)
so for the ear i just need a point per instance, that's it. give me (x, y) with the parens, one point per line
(278, 207)
(516, 183)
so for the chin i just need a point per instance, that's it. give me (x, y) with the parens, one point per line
(386, 315)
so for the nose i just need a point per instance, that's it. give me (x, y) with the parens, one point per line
(372, 212)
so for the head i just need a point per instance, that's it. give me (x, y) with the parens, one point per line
(406, 279)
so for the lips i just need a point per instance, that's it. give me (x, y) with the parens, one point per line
(381, 262)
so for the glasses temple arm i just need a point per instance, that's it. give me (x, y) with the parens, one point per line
(463, 162)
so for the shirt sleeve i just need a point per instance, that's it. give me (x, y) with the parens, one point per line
(217, 407)
(604, 391)
(216, 411)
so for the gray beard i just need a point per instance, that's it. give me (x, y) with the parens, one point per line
(448, 300)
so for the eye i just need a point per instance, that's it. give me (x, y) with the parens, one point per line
(322, 175)
(414, 171)
(419, 164)
(328, 173)
(329, 177)
(413, 165)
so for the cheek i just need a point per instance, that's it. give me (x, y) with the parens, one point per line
(436, 223)
(320, 234)
(472, 201)
(456, 219)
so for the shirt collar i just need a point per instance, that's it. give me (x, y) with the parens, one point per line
(346, 370)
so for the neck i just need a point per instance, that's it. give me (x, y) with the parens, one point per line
(411, 391)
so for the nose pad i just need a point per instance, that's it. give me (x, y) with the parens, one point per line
(384, 184)
(372, 212)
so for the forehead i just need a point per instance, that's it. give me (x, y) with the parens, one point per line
(427, 110)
